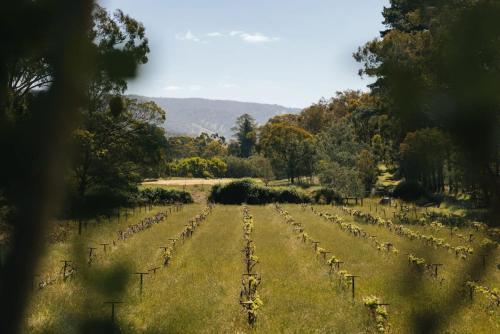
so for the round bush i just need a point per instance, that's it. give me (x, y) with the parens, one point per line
(410, 191)
(327, 195)
(246, 191)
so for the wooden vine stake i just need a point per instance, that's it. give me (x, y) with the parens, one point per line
(105, 247)
(91, 253)
(113, 309)
(141, 275)
(471, 292)
(153, 270)
(325, 253)
(436, 266)
(352, 283)
(65, 267)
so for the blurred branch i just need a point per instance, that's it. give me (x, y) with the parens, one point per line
(31, 174)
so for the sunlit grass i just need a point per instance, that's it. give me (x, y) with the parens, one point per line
(199, 291)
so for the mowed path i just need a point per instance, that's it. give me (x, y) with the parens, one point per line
(296, 290)
(199, 291)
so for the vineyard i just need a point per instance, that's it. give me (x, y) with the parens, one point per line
(275, 268)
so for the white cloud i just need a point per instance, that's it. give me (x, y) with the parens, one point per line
(236, 33)
(246, 37)
(228, 85)
(252, 38)
(257, 38)
(173, 88)
(214, 34)
(188, 36)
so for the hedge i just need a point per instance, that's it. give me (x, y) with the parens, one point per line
(246, 191)
(161, 195)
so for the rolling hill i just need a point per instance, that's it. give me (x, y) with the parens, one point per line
(191, 116)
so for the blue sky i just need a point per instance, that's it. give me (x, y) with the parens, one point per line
(271, 51)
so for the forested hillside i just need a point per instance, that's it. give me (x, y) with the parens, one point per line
(192, 116)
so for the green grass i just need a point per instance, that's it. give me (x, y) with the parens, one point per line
(390, 277)
(199, 291)
(297, 292)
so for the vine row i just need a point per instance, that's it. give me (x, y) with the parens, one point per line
(377, 309)
(250, 281)
(355, 230)
(460, 251)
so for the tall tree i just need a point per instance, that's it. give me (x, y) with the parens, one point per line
(118, 138)
(245, 133)
(437, 65)
(287, 147)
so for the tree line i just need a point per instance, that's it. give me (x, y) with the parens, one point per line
(431, 115)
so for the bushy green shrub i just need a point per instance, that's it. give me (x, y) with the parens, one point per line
(409, 191)
(246, 191)
(415, 192)
(327, 195)
(161, 195)
(235, 192)
(291, 195)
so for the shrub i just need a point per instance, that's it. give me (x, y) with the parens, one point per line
(327, 195)
(246, 191)
(235, 192)
(409, 191)
(291, 195)
(161, 195)
(415, 192)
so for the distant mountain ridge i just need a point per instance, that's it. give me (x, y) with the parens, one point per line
(191, 116)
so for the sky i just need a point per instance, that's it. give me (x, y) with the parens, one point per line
(287, 52)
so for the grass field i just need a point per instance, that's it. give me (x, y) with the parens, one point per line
(199, 290)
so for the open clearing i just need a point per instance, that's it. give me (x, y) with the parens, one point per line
(198, 290)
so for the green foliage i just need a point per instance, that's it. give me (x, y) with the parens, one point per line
(119, 140)
(436, 67)
(338, 144)
(289, 149)
(246, 135)
(414, 191)
(366, 165)
(198, 167)
(344, 180)
(162, 196)
(205, 146)
(326, 195)
(255, 166)
(423, 154)
(246, 191)
(114, 151)
(240, 167)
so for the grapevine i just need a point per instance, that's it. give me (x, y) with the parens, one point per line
(249, 297)
(357, 231)
(378, 311)
(460, 251)
(492, 295)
